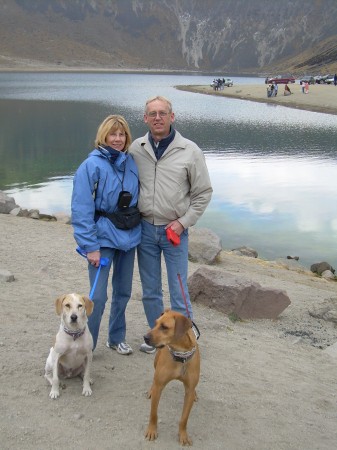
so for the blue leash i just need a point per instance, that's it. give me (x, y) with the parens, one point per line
(103, 262)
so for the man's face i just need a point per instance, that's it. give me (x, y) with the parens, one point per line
(159, 119)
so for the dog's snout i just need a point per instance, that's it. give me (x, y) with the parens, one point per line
(73, 317)
(147, 339)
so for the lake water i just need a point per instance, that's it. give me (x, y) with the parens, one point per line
(273, 169)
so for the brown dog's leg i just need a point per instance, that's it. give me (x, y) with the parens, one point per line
(155, 392)
(190, 396)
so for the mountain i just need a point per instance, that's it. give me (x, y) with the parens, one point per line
(226, 36)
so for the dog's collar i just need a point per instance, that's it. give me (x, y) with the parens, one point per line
(182, 357)
(74, 334)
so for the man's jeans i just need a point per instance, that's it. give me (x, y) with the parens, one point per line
(153, 243)
(123, 263)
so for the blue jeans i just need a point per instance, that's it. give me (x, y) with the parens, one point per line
(153, 244)
(122, 263)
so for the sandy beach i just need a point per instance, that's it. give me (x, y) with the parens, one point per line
(265, 385)
(321, 98)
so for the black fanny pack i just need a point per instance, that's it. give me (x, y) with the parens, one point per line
(124, 219)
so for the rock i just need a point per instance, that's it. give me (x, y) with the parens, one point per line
(204, 246)
(34, 214)
(319, 268)
(15, 211)
(328, 275)
(230, 294)
(6, 275)
(47, 218)
(7, 204)
(245, 251)
(326, 310)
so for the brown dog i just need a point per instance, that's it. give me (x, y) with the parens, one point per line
(71, 355)
(177, 358)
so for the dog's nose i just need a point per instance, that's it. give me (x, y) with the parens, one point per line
(73, 317)
(146, 339)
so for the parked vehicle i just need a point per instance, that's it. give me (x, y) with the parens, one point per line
(329, 80)
(228, 82)
(307, 79)
(280, 79)
(320, 79)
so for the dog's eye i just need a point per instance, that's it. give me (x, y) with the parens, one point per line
(67, 305)
(80, 306)
(163, 327)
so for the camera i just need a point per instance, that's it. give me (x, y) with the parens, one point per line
(124, 199)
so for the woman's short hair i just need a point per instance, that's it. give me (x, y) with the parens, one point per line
(160, 98)
(110, 124)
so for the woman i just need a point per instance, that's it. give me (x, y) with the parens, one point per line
(98, 182)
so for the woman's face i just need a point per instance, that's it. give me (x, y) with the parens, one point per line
(116, 139)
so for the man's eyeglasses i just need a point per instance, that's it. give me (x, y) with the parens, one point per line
(154, 114)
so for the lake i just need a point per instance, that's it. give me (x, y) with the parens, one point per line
(273, 169)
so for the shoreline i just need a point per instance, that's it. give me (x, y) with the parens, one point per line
(319, 99)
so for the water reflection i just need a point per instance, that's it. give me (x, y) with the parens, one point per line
(273, 169)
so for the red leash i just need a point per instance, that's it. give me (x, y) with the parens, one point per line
(194, 327)
(184, 296)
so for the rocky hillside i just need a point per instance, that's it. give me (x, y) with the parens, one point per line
(232, 36)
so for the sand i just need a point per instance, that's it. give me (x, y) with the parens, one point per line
(265, 385)
(321, 98)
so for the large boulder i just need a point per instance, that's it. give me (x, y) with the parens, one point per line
(321, 267)
(6, 203)
(204, 246)
(231, 294)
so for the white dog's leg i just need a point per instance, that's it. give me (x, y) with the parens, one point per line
(52, 373)
(86, 377)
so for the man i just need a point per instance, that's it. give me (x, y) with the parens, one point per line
(175, 190)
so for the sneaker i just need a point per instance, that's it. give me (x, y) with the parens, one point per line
(147, 348)
(122, 348)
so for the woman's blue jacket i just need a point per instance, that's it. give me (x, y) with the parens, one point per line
(97, 184)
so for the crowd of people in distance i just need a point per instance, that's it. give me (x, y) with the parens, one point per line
(218, 84)
(272, 90)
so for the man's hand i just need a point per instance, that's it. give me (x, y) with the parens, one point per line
(176, 227)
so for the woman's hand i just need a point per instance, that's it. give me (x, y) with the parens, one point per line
(94, 258)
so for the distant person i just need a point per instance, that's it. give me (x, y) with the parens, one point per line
(175, 190)
(275, 90)
(335, 79)
(287, 90)
(98, 182)
(306, 87)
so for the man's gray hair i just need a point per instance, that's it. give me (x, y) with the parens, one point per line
(162, 99)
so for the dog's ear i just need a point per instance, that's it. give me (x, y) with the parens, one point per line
(58, 304)
(89, 305)
(182, 325)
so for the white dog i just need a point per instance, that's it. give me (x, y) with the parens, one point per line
(71, 355)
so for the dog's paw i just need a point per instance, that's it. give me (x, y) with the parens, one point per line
(86, 391)
(54, 393)
(151, 433)
(184, 439)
